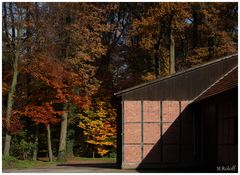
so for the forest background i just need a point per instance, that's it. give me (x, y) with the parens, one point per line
(62, 62)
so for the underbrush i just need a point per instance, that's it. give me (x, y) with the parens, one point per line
(9, 162)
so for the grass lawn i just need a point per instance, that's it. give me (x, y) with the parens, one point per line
(12, 163)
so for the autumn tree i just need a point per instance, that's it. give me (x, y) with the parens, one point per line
(204, 34)
(99, 126)
(14, 25)
(46, 90)
(44, 114)
(157, 31)
(179, 34)
(80, 45)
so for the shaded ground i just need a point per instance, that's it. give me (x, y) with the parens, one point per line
(75, 166)
(86, 165)
(71, 169)
(89, 166)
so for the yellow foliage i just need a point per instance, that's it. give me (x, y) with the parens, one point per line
(102, 152)
(99, 126)
(148, 77)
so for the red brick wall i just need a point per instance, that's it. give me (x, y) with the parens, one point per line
(151, 133)
(132, 111)
(132, 131)
(148, 145)
(132, 153)
(170, 110)
(151, 111)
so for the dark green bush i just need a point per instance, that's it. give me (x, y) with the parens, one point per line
(20, 148)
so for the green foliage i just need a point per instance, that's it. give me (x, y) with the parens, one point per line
(8, 162)
(26, 148)
(21, 148)
(111, 154)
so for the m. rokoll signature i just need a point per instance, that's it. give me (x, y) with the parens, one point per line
(226, 168)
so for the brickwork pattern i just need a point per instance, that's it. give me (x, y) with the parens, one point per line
(132, 111)
(132, 133)
(151, 111)
(149, 143)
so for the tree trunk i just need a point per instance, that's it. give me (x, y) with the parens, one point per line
(172, 54)
(70, 141)
(211, 47)
(157, 56)
(12, 24)
(5, 28)
(12, 19)
(7, 144)
(171, 47)
(36, 11)
(63, 135)
(12, 91)
(195, 28)
(28, 29)
(35, 149)
(49, 143)
(157, 64)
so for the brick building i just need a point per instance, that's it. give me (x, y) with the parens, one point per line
(187, 120)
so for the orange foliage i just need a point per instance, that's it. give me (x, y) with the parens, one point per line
(5, 88)
(15, 123)
(149, 27)
(44, 114)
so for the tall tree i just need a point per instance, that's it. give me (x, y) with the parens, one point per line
(43, 114)
(84, 46)
(16, 26)
(157, 31)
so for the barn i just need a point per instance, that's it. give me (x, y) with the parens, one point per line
(187, 120)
